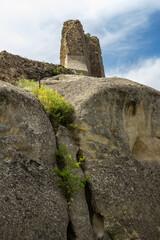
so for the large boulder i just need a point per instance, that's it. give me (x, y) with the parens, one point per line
(31, 205)
(121, 143)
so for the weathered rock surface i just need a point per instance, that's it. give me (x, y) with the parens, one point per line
(13, 67)
(31, 205)
(121, 144)
(80, 51)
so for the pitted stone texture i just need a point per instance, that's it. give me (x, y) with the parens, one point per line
(24, 126)
(121, 144)
(31, 205)
(78, 210)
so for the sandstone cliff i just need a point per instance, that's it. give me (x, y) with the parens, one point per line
(121, 144)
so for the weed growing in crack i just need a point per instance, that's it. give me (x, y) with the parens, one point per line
(88, 35)
(75, 129)
(58, 110)
(67, 173)
(81, 74)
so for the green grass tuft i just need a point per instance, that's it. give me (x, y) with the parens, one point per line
(58, 110)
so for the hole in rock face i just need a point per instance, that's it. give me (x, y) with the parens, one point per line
(140, 150)
(96, 219)
(143, 131)
(98, 226)
(88, 195)
(70, 232)
(132, 107)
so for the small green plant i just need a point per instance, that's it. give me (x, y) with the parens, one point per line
(81, 159)
(68, 179)
(81, 74)
(26, 84)
(60, 70)
(53, 71)
(58, 110)
(88, 35)
(57, 71)
(75, 127)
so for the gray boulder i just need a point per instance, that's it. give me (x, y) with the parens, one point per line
(31, 205)
(121, 143)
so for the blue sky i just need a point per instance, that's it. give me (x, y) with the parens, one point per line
(129, 32)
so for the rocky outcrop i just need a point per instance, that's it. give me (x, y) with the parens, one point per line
(121, 144)
(31, 205)
(13, 67)
(80, 51)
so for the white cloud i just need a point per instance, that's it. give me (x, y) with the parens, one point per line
(32, 28)
(30, 18)
(146, 72)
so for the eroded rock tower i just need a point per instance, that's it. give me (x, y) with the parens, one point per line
(80, 51)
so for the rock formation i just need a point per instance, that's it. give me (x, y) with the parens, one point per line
(31, 206)
(13, 67)
(121, 145)
(79, 51)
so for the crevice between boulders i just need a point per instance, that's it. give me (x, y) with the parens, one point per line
(70, 231)
(96, 219)
(70, 228)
